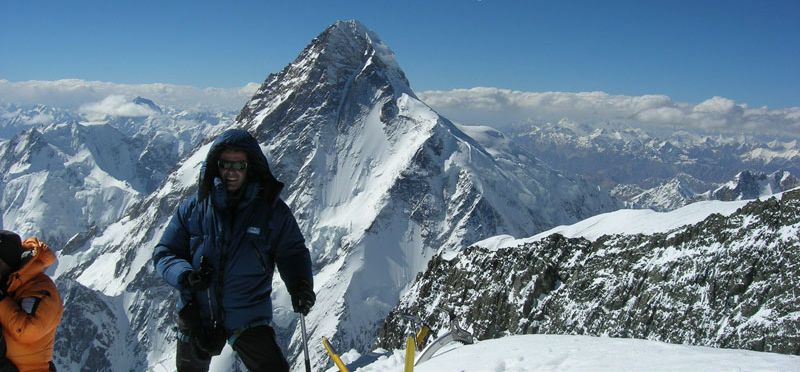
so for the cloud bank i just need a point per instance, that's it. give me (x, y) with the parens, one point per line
(504, 109)
(500, 108)
(77, 94)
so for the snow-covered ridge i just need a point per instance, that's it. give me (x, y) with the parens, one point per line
(628, 222)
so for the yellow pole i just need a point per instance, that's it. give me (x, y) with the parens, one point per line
(410, 350)
(332, 353)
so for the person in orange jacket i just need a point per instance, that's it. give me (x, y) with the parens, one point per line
(30, 305)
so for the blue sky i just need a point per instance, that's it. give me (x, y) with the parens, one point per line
(748, 51)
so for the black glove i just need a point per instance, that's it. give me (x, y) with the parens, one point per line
(189, 321)
(200, 279)
(209, 340)
(303, 297)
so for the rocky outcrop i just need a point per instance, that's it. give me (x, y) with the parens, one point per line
(725, 282)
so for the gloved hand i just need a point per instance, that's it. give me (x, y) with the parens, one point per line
(199, 279)
(208, 339)
(303, 297)
(211, 341)
(189, 321)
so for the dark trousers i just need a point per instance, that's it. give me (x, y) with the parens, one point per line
(257, 347)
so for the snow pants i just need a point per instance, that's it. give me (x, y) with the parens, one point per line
(257, 347)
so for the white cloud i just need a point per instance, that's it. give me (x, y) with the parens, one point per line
(660, 115)
(73, 93)
(116, 105)
(504, 108)
(716, 105)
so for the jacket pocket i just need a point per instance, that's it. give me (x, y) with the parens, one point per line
(259, 248)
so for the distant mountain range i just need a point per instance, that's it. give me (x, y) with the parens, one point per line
(645, 171)
(612, 156)
(65, 175)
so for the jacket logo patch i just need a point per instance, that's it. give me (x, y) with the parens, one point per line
(253, 230)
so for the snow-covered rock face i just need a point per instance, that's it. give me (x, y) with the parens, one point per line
(750, 185)
(675, 193)
(684, 189)
(15, 119)
(64, 176)
(725, 282)
(66, 179)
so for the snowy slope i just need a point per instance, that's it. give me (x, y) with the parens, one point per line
(15, 119)
(583, 353)
(627, 222)
(66, 179)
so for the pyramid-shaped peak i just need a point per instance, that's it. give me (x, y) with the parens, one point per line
(345, 57)
(350, 42)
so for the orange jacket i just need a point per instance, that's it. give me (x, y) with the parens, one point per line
(30, 337)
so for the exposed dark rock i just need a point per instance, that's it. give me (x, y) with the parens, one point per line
(726, 282)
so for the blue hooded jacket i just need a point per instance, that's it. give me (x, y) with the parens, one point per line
(243, 247)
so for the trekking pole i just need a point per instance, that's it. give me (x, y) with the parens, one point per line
(305, 342)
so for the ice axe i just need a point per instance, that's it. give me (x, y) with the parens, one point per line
(305, 341)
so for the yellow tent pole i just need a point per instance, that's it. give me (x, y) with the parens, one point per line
(334, 356)
(410, 350)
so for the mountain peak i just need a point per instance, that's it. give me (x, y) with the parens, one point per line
(348, 48)
(344, 55)
(141, 101)
(354, 41)
(348, 28)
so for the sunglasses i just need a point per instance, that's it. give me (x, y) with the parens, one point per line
(235, 165)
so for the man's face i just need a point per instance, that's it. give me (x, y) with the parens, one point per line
(229, 166)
